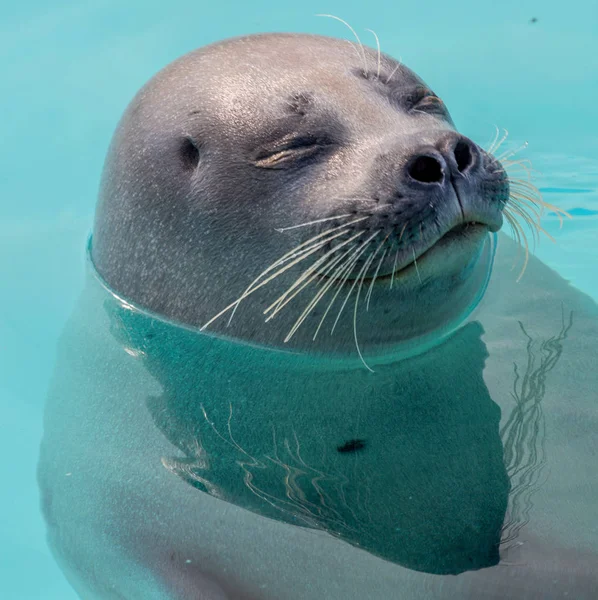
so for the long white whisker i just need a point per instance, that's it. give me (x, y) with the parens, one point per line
(494, 140)
(353, 47)
(515, 231)
(298, 253)
(313, 222)
(519, 235)
(506, 155)
(416, 269)
(278, 304)
(393, 72)
(316, 299)
(360, 277)
(370, 289)
(394, 269)
(378, 46)
(366, 243)
(342, 273)
(351, 260)
(365, 64)
(500, 143)
(299, 257)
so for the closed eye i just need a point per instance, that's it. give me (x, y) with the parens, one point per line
(430, 103)
(289, 151)
(419, 99)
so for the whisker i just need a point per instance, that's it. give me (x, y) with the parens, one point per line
(297, 259)
(312, 222)
(416, 269)
(512, 172)
(393, 72)
(526, 186)
(536, 229)
(510, 153)
(525, 201)
(304, 275)
(321, 293)
(526, 198)
(525, 191)
(520, 234)
(402, 232)
(378, 46)
(351, 260)
(394, 269)
(369, 294)
(353, 47)
(342, 274)
(511, 222)
(360, 277)
(495, 148)
(366, 243)
(280, 305)
(365, 64)
(298, 253)
(523, 162)
(522, 196)
(523, 209)
(494, 140)
(322, 273)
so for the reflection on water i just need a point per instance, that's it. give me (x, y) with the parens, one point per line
(523, 434)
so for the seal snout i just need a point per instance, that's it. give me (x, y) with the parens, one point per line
(431, 196)
(450, 169)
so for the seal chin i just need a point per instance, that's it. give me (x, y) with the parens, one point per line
(431, 297)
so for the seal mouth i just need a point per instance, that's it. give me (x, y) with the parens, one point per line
(468, 229)
(463, 232)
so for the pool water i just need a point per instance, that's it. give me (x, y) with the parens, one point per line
(70, 68)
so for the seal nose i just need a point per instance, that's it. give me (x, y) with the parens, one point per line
(452, 156)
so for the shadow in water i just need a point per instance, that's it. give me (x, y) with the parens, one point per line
(406, 463)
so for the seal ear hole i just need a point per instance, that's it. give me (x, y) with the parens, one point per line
(189, 153)
(362, 73)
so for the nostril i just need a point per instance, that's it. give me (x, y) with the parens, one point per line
(463, 156)
(426, 169)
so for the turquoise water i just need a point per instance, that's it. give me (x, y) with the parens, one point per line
(70, 68)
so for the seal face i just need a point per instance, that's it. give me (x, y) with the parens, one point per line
(282, 176)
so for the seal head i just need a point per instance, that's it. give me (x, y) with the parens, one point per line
(296, 180)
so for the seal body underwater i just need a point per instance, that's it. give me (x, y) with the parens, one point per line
(389, 429)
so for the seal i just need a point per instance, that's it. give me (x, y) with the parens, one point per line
(279, 215)
(279, 171)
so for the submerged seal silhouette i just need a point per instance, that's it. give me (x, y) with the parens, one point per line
(324, 188)
(276, 175)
